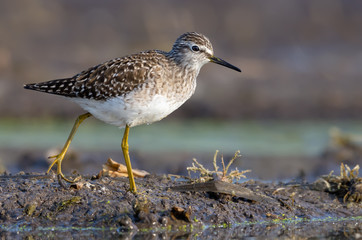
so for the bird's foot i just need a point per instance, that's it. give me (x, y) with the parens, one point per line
(58, 160)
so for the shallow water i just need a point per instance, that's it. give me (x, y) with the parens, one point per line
(256, 138)
(321, 228)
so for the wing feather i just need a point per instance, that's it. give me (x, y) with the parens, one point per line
(113, 78)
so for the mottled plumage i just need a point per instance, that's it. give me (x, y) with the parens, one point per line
(136, 89)
(113, 78)
(139, 88)
(120, 76)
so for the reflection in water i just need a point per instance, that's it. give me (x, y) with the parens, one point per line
(317, 228)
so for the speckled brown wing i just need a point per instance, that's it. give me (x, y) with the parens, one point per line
(113, 78)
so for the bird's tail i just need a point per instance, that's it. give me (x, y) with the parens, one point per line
(32, 86)
(58, 87)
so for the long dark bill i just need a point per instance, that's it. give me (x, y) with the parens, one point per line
(223, 63)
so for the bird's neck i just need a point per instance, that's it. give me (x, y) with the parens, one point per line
(185, 63)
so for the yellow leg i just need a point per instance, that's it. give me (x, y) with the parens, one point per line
(59, 158)
(125, 148)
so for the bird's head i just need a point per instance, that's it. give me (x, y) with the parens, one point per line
(195, 49)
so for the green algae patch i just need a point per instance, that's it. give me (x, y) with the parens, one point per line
(66, 203)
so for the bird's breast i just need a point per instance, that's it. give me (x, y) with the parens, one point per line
(149, 103)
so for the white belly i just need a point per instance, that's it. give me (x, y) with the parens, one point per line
(121, 112)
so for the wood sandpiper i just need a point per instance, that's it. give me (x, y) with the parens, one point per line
(141, 88)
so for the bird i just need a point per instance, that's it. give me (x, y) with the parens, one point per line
(136, 89)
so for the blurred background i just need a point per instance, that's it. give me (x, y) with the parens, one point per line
(290, 112)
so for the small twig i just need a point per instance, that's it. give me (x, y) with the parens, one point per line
(214, 161)
(236, 155)
(355, 172)
(207, 175)
(224, 171)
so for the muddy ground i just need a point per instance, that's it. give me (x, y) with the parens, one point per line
(33, 203)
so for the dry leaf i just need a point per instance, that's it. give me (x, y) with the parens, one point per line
(114, 169)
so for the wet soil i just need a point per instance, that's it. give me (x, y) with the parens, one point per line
(38, 204)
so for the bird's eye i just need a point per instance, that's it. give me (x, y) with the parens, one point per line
(195, 48)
